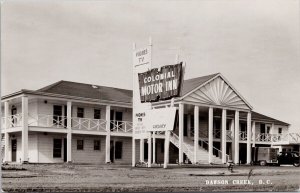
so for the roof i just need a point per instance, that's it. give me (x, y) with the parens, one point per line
(258, 116)
(191, 84)
(75, 89)
(89, 91)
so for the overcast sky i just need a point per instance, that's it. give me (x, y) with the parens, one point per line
(254, 44)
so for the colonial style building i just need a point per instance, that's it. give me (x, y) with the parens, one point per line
(83, 123)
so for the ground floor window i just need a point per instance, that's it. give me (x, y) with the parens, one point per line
(118, 150)
(97, 145)
(57, 145)
(79, 144)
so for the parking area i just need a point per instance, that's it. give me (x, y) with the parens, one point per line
(111, 178)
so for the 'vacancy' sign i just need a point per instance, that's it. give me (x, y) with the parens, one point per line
(160, 85)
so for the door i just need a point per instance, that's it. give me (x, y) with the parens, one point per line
(262, 131)
(57, 113)
(112, 117)
(112, 152)
(119, 117)
(13, 150)
(65, 115)
(65, 150)
(13, 112)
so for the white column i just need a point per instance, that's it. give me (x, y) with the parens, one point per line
(196, 133)
(6, 135)
(153, 157)
(107, 140)
(133, 151)
(224, 135)
(236, 137)
(142, 150)
(24, 156)
(248, 137)
(232, 141)
(181, 119)
(69, 130)
(253, 134)
(210, 134)
(149, 150)
(166, 152)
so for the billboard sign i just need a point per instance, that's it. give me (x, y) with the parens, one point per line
(160, 119)
(155, 85)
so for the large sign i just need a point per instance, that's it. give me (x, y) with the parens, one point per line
(160, 119)
(158, 85)
(141, 63)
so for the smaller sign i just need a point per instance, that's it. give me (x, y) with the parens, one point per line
(160, 119)
(142, 56)
(140, 131)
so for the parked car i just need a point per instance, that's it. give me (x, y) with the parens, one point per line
(291, 158)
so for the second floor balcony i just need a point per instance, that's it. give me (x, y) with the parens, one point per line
(60, 122)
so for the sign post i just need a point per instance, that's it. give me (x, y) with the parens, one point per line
(142, 59)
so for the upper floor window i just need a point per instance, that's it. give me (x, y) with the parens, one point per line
(279, 130)
(80, 112)
(97, 114)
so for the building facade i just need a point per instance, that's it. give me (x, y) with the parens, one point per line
(82, 123)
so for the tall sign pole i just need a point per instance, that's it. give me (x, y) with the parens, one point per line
(142, 61)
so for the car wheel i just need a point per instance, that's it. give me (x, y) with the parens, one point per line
(263, 163)
(296, 164)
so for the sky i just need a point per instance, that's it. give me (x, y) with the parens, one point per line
(255, 44)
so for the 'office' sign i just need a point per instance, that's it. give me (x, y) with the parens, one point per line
(160, 85)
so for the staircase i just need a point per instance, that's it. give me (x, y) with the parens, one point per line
(202, 154)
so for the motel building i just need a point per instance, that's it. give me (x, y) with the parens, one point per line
(83, 123)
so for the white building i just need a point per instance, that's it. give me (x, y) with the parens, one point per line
(82, 123)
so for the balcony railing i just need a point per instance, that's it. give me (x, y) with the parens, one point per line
(53, 121)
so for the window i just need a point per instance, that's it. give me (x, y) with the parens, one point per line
(268, 129)
(80, 112)
(97, 145)
(97, 114)
(280, 130)
(79, 144)
(57, 144)
(118, 150)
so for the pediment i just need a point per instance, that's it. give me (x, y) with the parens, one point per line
(217, 92)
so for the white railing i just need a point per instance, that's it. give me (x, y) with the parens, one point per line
(243, 136)
(185, 147)
(121, 126)
(13, 121)
(229, 135)
(88, 124)
(42, 120)
(219, 152)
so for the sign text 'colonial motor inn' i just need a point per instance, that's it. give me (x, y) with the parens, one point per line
(160, 85)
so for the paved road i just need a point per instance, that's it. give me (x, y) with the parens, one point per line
(106, 178)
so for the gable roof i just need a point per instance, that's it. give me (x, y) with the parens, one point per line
(89, 91)
(213, 89)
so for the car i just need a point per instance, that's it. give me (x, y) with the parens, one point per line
(290, 158)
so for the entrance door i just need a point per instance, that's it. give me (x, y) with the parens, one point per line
(65, 115)
(65, 150)
(112, 152)
(262, 130)
(13, 150)
(185, 129)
